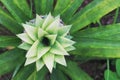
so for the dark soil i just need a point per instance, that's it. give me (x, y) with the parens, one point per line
(95, 68)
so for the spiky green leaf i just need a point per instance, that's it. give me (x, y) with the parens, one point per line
(10, 60)
(60, 6)
(16, 12)
(8, 22)
(26, 9)
(70, 10)
(42, 74)
(58, 75)
(24, 72)
(100, 42)
(101, 48)
(7, 41)
(43, 6)
(92, 13)
(109, 32)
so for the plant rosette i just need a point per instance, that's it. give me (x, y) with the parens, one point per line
(47, 41)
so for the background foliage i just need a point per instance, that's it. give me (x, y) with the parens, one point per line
(100, 42)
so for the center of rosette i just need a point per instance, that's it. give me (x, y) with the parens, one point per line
(45, 41)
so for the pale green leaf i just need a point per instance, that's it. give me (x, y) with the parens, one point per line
(70, 48)
(39, 21)
(49, 19)
(41, 33)
(31, 31)
(58, 49)
(60, 59)
(25, 46)
(39, 64)
(53, 27)
(25, 38)
(52, 38)
(63, 31)
(49, 61)
(65, 42)
(30, 60)
(42, 50)
(32, 52)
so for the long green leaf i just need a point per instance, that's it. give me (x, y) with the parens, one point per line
(92, 13)
(8, 22)
(102, 42)
(74, 72)
(58, 75)
(92, 47)
(25, 72)
(29, 73)
(60, 6)
(49, 7)
(10, 60)
(26, 9)
(110, 32)
(97, 53)
(32, 76)
(42, 74)
(96, 43)
(6, 41)
(43, 6)
(16, 12)
(68, 12)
